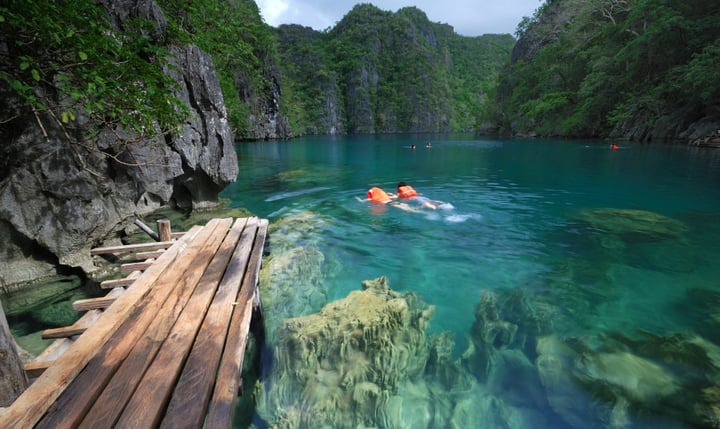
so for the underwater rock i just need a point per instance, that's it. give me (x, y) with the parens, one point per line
(442, 367)
(334, 368)
(567, 398)
(298, 229)
(636, 378)
(291, 284)
(504, 319)
(632, 223)
(630, 382)
(479, 409)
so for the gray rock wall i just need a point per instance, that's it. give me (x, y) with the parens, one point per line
(57, 200)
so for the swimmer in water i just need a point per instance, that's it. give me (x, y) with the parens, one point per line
(406, 191)
(379, 196)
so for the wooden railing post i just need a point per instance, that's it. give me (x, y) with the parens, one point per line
(13, 380)
(164, 232)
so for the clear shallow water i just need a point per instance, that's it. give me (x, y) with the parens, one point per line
(526, 216)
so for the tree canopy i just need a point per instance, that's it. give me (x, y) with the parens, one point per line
(64, 58)
(591, 67)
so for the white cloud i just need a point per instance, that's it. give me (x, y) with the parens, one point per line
(273, 11)
(468, 17)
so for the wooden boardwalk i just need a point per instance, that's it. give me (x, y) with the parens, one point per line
(167, 351)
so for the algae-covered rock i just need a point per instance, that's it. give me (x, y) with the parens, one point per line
(292, 282)
(626, 381)
(627, 222)
(333, 368)
(504, 319)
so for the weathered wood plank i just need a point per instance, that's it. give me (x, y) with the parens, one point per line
(135, 266)
(73, 404)
(115, 283)
(93, 303)
(80, 325)
(191, 394)
(131, 248)
(129, 375)
(54, 350)
(222, 403)
(154, 254)
(29, 408)
(148, 401)
(124, 282)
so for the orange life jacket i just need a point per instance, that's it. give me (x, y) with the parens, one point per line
(407, 191)
(377, 195)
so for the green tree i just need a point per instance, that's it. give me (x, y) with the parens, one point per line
(64, 59)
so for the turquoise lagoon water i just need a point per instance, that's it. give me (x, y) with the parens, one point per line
(624, 245)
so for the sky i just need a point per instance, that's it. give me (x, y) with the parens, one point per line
(468, 17)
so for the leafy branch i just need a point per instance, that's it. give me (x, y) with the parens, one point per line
(64, 59)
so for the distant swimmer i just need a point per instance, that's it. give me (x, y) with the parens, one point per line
(412, 146)
(614, 147)
(428, 145)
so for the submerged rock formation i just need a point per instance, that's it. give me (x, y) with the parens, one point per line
(332, 369)
(626, 223)
(59, 199)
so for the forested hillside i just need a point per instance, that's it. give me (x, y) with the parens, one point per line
(379, 71)
(638, 69)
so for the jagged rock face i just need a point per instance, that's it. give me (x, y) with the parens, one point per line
(58, 199)
(265, 120)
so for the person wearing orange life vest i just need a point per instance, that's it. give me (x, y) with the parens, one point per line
(406, 191)
(377, 195)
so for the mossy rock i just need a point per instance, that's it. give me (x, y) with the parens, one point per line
(626, 223)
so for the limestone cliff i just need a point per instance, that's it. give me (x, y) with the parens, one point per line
(60, 198)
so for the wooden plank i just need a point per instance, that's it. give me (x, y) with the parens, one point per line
(148, 401)
(131, 248)
(117, 393)
(29, 408)
(141, 256)
(54, 350)
(93, 303)
(35, 369)
(135, 266)
(191, 394)
(73, 404)
(115, 283)
(222, 404)
(80, 325)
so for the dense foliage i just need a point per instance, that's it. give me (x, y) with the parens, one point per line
(64, 59)
(386, 72)
(375, 71)
(639, 68)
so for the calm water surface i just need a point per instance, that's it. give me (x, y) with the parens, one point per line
(618, 249)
